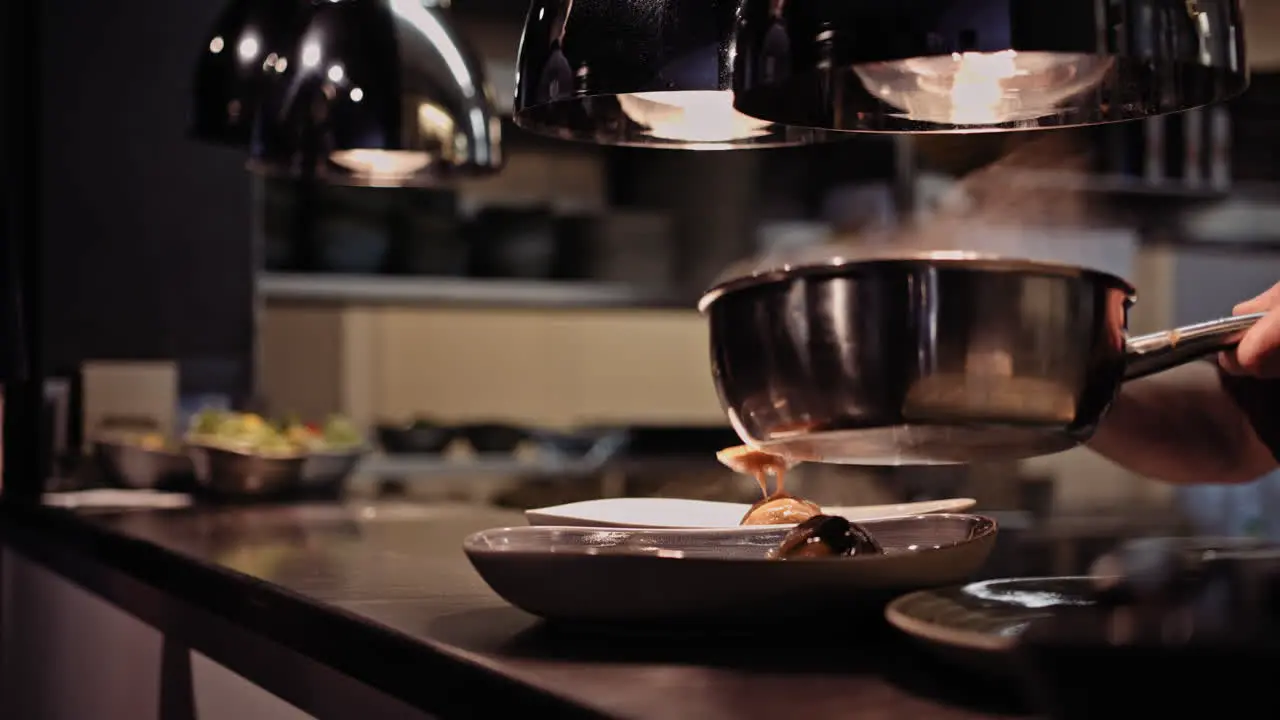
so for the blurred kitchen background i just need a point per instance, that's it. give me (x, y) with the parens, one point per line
(531, 339)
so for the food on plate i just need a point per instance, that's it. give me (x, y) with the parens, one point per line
(780, 509)
(824, 536)
(774, 508)
(251, 433)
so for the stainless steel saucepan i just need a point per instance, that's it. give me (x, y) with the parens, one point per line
(932, 357)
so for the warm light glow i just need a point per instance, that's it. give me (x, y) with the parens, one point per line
(438, 129)
(216, 45)
(248, 48)
(695, 116)
(976, 88)
(357, 94)
(310, 55)
(336, 73)
(388, 166)
(434, 121)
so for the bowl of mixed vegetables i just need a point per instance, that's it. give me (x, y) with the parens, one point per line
(245, 453)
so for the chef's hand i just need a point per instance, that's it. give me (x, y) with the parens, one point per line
(1258, 353)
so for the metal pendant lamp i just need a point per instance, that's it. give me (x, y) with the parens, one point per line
(377, 93)
(958, 66)
(655, 74)
(244, 42)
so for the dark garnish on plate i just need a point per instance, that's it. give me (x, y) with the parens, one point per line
(827, 536)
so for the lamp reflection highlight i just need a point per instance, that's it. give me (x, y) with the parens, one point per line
(228, 85)
(692, 116)
(974, 88)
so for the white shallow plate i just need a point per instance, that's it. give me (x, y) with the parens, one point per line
(678, 513)
(715, 577)
(113, 498)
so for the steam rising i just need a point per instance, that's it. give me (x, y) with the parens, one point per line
(1031, 203)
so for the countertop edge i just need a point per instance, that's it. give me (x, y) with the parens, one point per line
(148, 577)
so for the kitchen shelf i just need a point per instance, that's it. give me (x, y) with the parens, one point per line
(404, 466)
(1124, 186)
(388, 289)
(391, 466)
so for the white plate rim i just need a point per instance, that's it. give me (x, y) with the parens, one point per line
(961, 506)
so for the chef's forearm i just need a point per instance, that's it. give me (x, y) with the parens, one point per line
(1182, 426)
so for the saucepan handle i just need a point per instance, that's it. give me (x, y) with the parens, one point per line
(1149, 354)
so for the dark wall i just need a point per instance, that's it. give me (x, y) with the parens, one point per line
(1253, 124)
(146, 233)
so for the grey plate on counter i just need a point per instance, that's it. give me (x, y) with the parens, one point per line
(721, 576)
(979, 624)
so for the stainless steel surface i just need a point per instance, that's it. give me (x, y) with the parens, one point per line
(982, 65)
(227, 472)
(1147, 354)
(324, 469)
(133, 466)
(931, 358)
(227, 87)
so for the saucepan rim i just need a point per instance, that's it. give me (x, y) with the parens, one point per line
(872, 258)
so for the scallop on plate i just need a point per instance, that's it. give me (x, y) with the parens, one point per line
(676, 513)
(823, 569)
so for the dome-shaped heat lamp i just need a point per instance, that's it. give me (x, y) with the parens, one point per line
(377, 93)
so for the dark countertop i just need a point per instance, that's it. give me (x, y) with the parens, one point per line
(384, 593)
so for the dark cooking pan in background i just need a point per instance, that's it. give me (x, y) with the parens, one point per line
(493, 438)
(931, 357)
(594, 444)
(417, 437)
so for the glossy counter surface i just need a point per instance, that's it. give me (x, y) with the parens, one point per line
(384, 594)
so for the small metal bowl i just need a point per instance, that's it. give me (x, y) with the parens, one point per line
(234, 473)
(493, 438)
(134, 466)
(328, 468)
(416, 438)
(600, 444)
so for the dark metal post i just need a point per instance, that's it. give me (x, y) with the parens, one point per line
(22, 334)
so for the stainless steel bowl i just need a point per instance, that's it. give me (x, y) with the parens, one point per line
(133, 466)
(328, 468)
(229, 472)
(932, 357)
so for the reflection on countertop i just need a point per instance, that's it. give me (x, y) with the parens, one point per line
(363, 584)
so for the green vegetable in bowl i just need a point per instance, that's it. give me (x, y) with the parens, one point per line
(207, 422)
(251, 433)
(341, 434)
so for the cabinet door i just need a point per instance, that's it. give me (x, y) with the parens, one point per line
(221, 694)
(66, 654)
